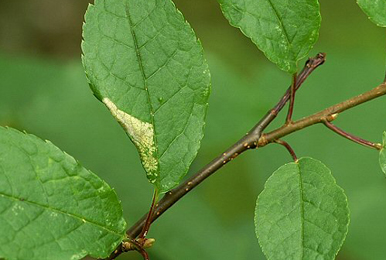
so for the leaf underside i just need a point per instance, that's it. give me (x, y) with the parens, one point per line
(375, 10)
(302, 213)
(284, 30)
(50, 206)
(382, 154)
(143, 60)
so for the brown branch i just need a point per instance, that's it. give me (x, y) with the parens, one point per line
(132, 245)
(174, 195)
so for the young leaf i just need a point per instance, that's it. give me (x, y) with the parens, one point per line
(382, 154)
(50, 206)
(144, 62)
(375, 10)
(284, 30)
(302, 213)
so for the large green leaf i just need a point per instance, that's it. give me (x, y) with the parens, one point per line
(284, 30)
(50, 206)
(375, 10)
(382, 154)
(144, 62)
(302, 213)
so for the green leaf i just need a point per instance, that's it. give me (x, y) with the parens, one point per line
(144, 62)
(382, 154)
(50, 206)
(284, 30)
(302, 213)
(375, 10)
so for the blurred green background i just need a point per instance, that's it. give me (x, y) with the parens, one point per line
(43, 90)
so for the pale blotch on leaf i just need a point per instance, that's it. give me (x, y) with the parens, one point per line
(142, 135)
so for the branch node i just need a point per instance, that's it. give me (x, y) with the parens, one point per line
(262, 141)
(149, 243)
(332, 117)
(128, 246)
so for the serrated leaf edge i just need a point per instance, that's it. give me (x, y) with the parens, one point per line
(334, 181)
(265, 52)
(83, 253)
(207, 94)
(368, 17)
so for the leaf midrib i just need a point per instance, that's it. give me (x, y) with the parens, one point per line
(286, 36)
(140, 63)
(301, 208)
(46, 207)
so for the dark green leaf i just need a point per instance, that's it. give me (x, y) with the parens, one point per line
(375, 10)
(284, 30)
(302, 213)
(50, 206)
(144, 63)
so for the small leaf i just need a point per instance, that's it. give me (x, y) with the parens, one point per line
(284, 30)
(375, 10)
(302, 213)
(50, 206)
(382, 154)
(144, 62)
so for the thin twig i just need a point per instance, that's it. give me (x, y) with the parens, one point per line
(309, 67)
(131, 245)
(174, 195)
(139, 248)
(328, 114)
(292, 100)
(288, 147)
(148, 221)
(352, 137)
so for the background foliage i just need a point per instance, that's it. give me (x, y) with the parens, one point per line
(43, 90)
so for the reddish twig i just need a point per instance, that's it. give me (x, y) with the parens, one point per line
(289, 149)
(148, 221)
(352, 137)
(292, 100)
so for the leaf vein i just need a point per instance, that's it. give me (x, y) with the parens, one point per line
(280, 22)
(301, 208)
(46, 207)
(140, 63)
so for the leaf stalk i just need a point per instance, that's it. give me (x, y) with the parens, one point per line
(289, 149)
(353, 138)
